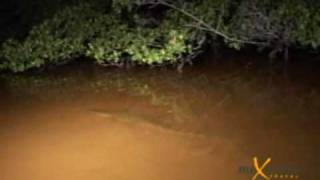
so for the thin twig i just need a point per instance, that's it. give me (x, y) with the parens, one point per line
(205, 25)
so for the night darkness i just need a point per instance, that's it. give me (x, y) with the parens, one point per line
(159, 89)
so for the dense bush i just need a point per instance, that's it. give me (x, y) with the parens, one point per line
(116, 32)
(56, 39)
(280, 24)
(87, 30)
(263, 23)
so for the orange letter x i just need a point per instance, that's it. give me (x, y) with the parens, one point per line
(259, 169)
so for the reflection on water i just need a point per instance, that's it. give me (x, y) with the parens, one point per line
(85, 122)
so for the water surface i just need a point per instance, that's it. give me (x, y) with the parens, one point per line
(85, 122)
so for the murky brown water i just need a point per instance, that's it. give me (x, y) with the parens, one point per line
(84, 122)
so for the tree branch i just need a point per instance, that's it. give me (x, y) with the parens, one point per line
(205, 26)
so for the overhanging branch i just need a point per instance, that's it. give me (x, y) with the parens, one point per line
(202, 25)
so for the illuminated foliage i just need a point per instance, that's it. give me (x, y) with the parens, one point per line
(117, 33)
(86, 30)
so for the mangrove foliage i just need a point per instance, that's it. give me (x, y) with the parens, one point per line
(155, 32)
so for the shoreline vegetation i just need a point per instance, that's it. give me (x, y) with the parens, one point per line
(154, 32)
